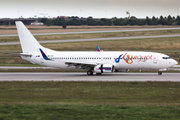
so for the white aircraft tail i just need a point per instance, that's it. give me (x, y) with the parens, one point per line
(28, 43)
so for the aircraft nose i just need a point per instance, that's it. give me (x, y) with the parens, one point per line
(174, 62)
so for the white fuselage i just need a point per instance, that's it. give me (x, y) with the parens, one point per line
(120, 59)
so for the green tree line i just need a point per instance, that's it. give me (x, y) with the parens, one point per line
(114, 21)
(74, 20)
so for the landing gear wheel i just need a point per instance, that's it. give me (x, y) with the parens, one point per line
(159, 73)
(89, 72)
(98, 73)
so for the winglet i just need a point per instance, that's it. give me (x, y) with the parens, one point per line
(98, 49)
(43, 54)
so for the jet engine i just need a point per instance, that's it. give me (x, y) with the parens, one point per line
(104, 68)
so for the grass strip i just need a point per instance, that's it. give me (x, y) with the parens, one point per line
(103, 93)
(90, 100)
(94, 35)
(87, 112)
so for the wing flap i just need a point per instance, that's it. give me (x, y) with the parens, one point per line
(81, 65)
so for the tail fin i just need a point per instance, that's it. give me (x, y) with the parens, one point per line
(28, 43)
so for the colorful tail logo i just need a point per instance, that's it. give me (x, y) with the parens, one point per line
(98, 49)
(43, 54)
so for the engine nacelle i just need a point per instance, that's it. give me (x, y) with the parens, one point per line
(104, 68)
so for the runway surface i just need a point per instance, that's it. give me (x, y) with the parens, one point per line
(173, 77)
(63, 33)
(97, 39)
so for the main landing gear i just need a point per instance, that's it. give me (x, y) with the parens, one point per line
(159, 73)
(90, 72)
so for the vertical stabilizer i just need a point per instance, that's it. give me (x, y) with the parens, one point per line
(28, 43)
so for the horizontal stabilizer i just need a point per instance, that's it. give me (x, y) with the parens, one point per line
(25, 54)
(21, 54)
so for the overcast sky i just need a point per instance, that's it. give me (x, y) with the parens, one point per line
(86, 8)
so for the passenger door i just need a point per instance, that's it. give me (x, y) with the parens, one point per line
(155, 59)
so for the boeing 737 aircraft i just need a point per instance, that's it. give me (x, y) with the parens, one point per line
(98, 61)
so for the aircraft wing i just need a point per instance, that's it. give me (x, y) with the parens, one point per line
(81, 65)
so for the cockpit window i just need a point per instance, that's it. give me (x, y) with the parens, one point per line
(166, 58)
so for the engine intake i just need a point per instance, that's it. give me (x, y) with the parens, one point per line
(104, 68)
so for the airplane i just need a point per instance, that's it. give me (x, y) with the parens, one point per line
(95, 61)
